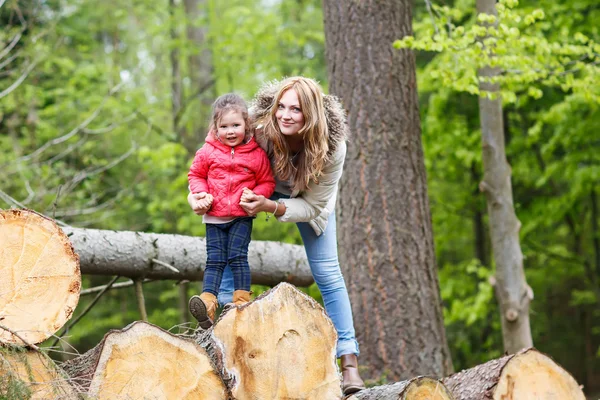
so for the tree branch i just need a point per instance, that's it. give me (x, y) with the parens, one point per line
(87, 309)
(20, 80)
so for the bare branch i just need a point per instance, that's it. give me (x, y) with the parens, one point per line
(75, 130)
(139, 295)
(164, 264)
(9, 59)
(87, 309)
(20, 80)
(9, 200)
(120, 285)
(84, 211)
(81, 176)
(12, 44)
(33, 346)
(109, 128)
(428, 5)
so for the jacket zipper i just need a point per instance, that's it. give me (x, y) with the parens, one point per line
(230, 173)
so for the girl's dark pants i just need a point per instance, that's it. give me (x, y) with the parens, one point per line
(228, 244)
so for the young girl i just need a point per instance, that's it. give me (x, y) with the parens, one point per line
(229, 162)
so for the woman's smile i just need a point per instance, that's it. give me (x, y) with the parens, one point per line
(289, 114)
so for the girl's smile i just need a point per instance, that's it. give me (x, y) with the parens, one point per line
(231, 129)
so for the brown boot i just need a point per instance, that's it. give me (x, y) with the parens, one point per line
(241, 297)
(203, 308)
(351, 382)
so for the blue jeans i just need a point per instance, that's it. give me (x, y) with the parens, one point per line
(321, 252)
(227, 245)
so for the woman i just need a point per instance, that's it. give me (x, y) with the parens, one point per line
(304, 134)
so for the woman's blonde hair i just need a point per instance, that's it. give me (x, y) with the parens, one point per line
(312, 157)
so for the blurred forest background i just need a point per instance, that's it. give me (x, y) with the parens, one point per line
(103, 104)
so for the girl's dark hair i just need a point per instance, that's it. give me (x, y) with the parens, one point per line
(229, 102)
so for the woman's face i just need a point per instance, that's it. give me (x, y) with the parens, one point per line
(289, 114)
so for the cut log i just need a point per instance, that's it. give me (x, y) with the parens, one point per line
(40, 279)
(144, 255)
(279, 346)
(32, 375)
(420, 388)
(143, 361)
(527, 374)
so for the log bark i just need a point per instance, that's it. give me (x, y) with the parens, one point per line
(279, 346)
(415, 389)
(35, 255)
(527, 374)
(384, 225)
(131, 254)
(511, 288)
(144, 361)
(33, 375)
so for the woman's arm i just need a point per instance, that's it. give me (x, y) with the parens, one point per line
(311, 203)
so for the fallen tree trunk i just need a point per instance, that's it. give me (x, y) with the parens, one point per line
(144, 255)
(144, 361)
(35, 255)
(279, 346)
(414, 389)
(527, 374)
(29, 374)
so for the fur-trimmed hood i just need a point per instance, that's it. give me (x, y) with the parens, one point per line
(334, 112)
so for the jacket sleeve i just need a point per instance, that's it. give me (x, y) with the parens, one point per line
(265, 183)
(311, 202)
(197, 177)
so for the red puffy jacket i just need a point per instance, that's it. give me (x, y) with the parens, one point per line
(225, 171)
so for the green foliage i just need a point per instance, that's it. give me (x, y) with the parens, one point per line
(102, 84)
(548, 64)
(514, 42)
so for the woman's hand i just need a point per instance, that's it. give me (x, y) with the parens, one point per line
(253, 203)
(200, 202)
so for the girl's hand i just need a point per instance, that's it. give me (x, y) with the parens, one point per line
(246, 195)
(253, 203)
(200, 202)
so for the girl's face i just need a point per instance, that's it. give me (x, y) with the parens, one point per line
(232, 128)
(289, 114)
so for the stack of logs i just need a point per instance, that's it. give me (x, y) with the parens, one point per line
(279, 346)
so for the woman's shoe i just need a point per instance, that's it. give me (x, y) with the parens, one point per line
(203, 308)
(351, 381)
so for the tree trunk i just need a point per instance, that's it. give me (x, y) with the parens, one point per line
(176, 83)
(165, 256)
(512, 291)
(144, 361)
(415, 389)
(33, 375)
(386, 241)
(528, 374)
(35, 255)
(200, 72)
(279, 346)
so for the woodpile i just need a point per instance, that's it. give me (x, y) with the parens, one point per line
(279, 346)
(419, 388)
(32, 375)
(40, 280)
(143, 361)
(527, 374)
